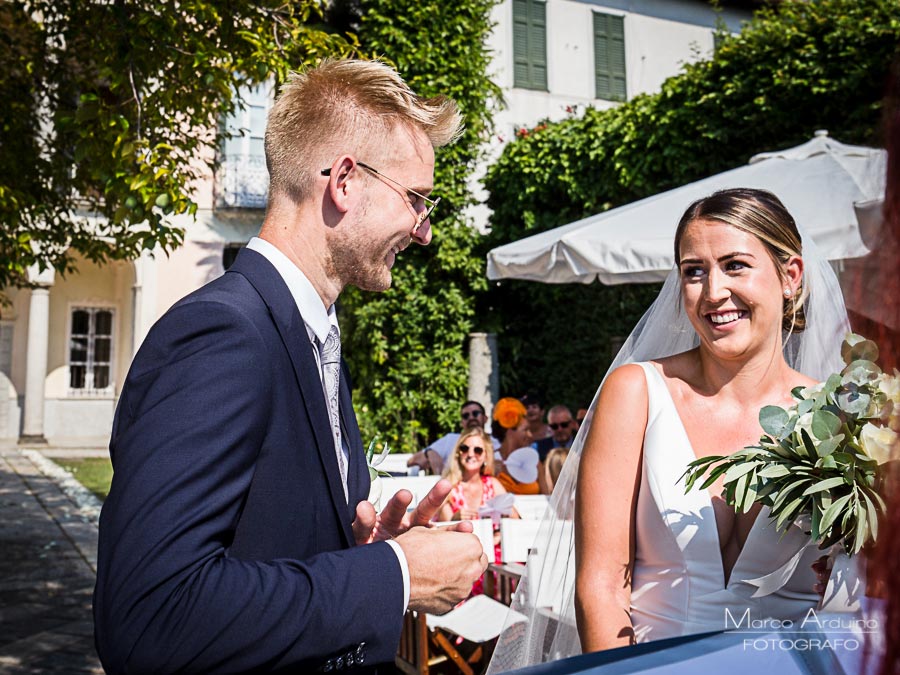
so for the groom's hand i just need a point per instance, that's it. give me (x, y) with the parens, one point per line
(443, 564)
(395, 519)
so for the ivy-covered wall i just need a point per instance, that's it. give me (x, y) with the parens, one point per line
(407, 347)
(795, 68)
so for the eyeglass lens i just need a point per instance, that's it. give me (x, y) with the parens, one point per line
(474, 413)
(559, 425)
(463, 449)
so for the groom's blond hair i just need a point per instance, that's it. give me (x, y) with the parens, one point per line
(345, 106)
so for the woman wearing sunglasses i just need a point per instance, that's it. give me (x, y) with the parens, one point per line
(471, 474)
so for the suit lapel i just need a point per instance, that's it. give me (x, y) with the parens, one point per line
(357, 473)
(274, 292)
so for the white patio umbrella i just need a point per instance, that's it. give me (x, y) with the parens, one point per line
(822, 183)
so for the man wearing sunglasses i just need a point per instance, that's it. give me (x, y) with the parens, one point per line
(562, 431)
(433, 458)
(236, 536)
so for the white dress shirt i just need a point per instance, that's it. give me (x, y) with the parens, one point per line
(319, 321)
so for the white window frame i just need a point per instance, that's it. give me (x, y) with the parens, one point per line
(89, 390)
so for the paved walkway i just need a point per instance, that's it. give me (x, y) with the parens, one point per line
(48, 544)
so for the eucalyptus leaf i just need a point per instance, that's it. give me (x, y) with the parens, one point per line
(860, 349)
(826, 462)
(805, 406)
(825, 425)
(773, 419)
(853, 400)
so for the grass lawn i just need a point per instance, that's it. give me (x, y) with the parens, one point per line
(95, 473)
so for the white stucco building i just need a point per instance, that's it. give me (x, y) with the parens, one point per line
(65, 347)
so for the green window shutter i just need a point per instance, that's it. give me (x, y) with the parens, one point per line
(609, 56)
(530, 44)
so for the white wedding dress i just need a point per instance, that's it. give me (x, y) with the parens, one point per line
(678, 585)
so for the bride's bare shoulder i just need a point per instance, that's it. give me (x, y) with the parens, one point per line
(626, 378)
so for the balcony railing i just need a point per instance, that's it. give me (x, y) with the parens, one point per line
(242, 182)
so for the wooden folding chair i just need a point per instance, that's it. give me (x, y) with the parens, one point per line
(427, 640)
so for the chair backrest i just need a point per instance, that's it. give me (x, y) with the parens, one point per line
(482, 529)
(516, 538)
(531, 507)
(418, 485)
(395, 463)
(553, 574)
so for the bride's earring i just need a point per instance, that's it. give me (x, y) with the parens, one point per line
(787, 292)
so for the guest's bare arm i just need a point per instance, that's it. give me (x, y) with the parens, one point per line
(606, 500)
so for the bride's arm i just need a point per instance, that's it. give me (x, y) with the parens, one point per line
(606, 499)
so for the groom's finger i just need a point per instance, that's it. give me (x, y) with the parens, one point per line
(428, 507)
(391, 522)
(364, 523)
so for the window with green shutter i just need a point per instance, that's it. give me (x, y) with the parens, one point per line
(530, 44)
(609, 56)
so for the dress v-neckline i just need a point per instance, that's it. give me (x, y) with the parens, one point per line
(692, 455)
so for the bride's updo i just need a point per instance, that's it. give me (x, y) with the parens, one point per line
(760, 213)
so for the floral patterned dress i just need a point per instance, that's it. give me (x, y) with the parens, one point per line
(458, 502)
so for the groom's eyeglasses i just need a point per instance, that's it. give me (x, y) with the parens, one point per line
(475, 413)
(560, 425)
(423, 212)
(464, 450)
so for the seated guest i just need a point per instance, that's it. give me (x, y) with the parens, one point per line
(553, 465)
(517, 467)
(562, 428)
(433, 458)
(473, 485)
(534, 413)
(471, 475)
(520, 472)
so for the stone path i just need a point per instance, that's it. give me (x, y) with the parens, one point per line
(48, 544)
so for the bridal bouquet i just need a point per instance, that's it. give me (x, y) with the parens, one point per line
(823, 457)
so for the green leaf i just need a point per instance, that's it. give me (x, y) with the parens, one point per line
(774, 420)
(737, 470)
(856, 347)
(861, 534)
(872, 515)
(774, 471)
(825, 425)
(828, 446)
(826, 484)
(833, 511)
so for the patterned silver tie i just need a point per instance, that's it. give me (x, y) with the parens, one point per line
(330, 354)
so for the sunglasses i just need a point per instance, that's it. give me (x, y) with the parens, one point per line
(474, 413)
(464, 449)
(560, 425)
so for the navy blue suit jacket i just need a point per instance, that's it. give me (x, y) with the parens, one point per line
(225, 542)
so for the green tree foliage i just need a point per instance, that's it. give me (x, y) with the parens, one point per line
(406, 347)
(795, 68)
(108, 105)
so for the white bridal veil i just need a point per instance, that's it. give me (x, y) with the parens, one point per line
(546, 592)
